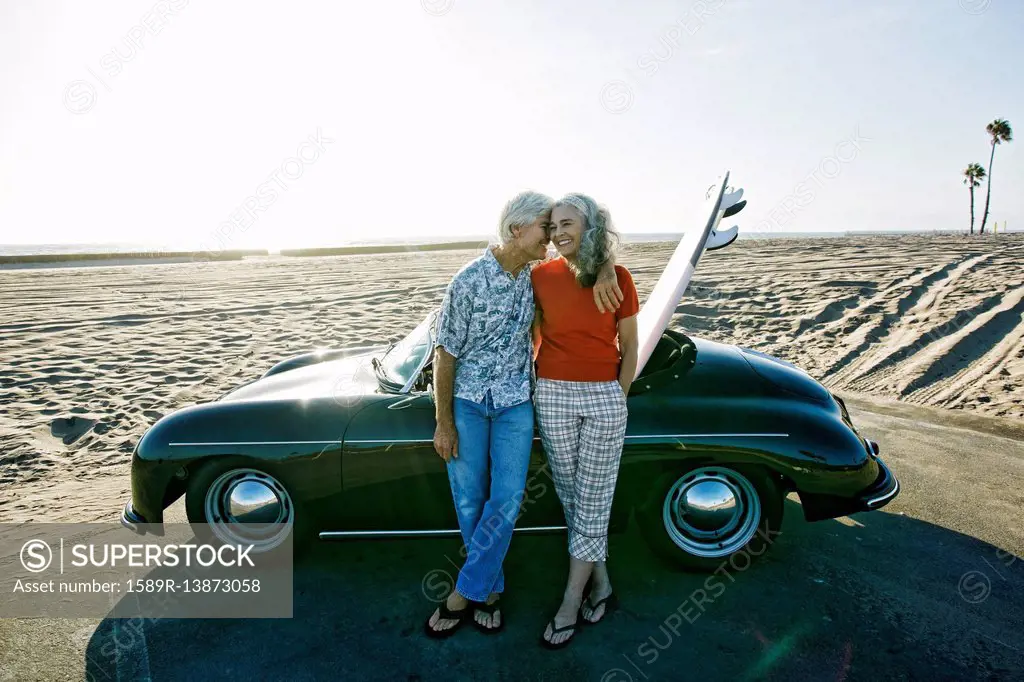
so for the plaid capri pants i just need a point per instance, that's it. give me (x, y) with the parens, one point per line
(582, 426)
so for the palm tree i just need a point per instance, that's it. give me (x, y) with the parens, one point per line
(1000, 131)
(973, 175)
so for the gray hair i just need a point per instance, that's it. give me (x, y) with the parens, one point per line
(600, 240)
(523, 209)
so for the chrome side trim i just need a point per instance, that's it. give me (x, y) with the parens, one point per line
(539, 529)
(259, 442)
(358, 441)
(389, 440)
(428, 440)
(333, 534)
(339, 534)
(649, 436)
(712, 435)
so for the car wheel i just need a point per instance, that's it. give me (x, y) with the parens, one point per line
(701, 518)
(237, 501)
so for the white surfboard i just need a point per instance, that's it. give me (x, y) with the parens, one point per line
(656, 312)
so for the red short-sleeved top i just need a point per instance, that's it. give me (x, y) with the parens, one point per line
(578, 343)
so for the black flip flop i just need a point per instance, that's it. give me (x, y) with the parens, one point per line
(489, 609)
(610, 602)
(554, 631)
(447, 614)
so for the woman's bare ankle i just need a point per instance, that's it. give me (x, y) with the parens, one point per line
(601, 583)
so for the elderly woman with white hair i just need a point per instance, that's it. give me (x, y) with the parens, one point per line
(586, 360)
(483, 380)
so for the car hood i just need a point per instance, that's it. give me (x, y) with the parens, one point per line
(341, 379)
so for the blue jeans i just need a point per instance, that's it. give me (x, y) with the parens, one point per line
(488, 478)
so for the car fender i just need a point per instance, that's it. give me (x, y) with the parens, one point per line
(300, 441)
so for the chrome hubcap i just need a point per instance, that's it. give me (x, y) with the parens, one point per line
(711, 512)
(250, 507)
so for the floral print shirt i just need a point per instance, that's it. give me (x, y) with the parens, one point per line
(484, 323)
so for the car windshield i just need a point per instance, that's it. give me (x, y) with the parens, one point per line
(401, 362)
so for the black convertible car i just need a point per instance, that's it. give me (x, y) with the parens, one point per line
(339, 444)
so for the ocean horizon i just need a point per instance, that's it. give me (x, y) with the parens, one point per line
(154, 250)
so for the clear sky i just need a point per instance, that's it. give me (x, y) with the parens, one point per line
(165, 122)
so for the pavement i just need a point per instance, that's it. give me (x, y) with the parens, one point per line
(930, 588)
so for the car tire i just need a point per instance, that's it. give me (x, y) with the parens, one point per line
(707, 516)
(209, 493)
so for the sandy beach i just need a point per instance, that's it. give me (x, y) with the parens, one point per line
(95, 355)
(922, 335)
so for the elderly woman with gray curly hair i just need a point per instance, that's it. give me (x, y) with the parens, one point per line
(585, 362)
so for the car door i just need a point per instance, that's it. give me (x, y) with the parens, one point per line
(392, 479)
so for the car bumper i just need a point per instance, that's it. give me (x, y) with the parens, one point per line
(884, 490)
(881, 492)
(135, 522)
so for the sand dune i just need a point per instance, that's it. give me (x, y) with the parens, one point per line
(93, 356)
(930, 320)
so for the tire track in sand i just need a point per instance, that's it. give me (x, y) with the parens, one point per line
(899, 327)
